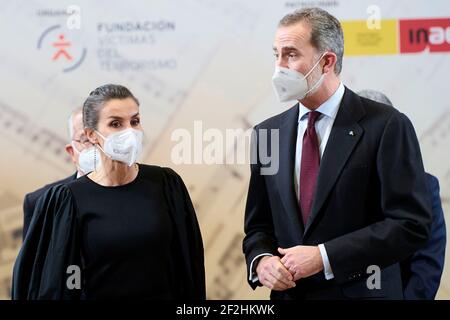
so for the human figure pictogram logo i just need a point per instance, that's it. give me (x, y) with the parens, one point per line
(61, 45)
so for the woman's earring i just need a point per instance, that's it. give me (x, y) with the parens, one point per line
(95, 158)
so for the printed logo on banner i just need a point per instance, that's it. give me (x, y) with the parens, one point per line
(402, 36)
(60, 48)
(420, 35)
(59, 45)
(359, 39)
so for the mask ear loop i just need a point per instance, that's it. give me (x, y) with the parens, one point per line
(315, 65)
(77, 151)
(321, 77)
(74, 148)
(99, 146)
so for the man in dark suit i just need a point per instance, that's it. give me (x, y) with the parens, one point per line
(349, 201)
(78, 144)
(422, 271)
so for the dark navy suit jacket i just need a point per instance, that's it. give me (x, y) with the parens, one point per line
(421, 273)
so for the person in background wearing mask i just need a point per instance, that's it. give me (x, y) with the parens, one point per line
(80, 150)
(422, 271)
(129, 229)
(350, 199)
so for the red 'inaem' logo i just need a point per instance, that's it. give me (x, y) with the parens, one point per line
(416, 35)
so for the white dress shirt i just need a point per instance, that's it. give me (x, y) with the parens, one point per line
(323, 126)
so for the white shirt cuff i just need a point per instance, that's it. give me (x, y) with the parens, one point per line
(326, 263)
(253, 277)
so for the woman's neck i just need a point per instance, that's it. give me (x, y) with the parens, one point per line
(113, 173)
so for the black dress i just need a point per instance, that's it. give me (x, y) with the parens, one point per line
(139, 241)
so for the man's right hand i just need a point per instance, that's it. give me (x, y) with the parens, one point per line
(273, 274)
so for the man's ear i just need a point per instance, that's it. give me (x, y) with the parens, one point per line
(71, 152)
(330, 60)
(69, 149)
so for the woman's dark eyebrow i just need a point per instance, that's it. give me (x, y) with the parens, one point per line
(120, 118)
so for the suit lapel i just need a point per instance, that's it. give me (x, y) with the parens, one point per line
(285, 176)
(344, 136)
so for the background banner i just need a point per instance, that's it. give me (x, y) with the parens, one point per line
(192, 60)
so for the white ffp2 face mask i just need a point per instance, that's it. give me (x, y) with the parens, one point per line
(292, 85)
(87, 162)
(124, 146)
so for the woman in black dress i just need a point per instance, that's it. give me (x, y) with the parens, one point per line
(125, 230)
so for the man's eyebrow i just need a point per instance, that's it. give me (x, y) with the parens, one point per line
(286, 49)
(289, 48)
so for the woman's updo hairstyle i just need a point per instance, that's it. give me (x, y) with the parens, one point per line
(98, 98)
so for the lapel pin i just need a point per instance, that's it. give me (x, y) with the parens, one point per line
(351, 133)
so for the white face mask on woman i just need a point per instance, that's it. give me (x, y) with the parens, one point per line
(292, 85)
(87, 161)
(124, 146)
